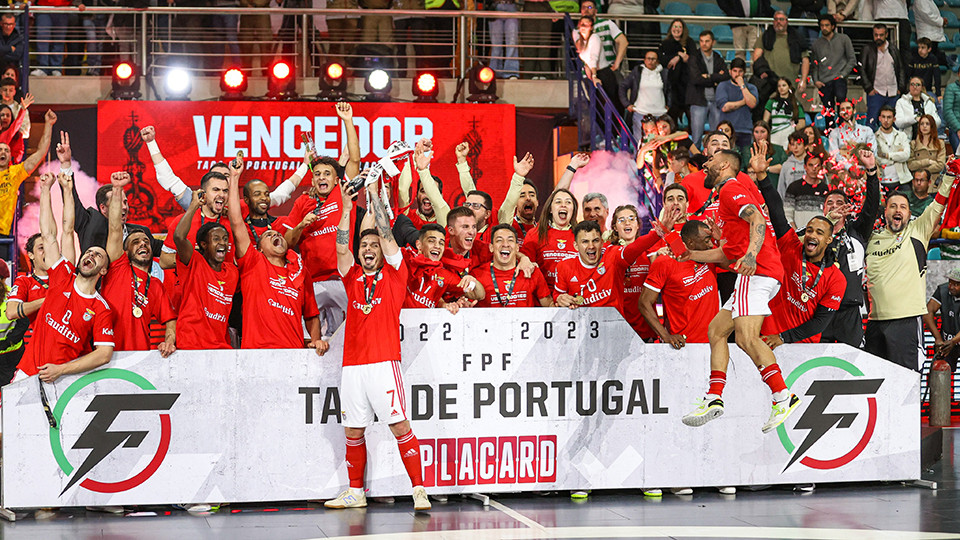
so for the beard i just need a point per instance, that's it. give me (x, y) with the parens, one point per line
(710, 180)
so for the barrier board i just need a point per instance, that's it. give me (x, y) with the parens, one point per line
(501, 400)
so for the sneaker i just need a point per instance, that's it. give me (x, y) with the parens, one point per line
(579, 495)
(106, 509)
(44, 513)
(805, 488)
(653, 493)
(197, 508)
(682, 491)
(705, 412)
(781, 410)
(727, 490)
(440, 498)
(421, 502)
(56, 73)
(348, 499)
(38, 73)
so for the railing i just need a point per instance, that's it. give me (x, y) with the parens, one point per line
(206, 40)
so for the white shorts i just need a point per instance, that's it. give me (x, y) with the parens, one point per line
(372, 389)
(752, 296)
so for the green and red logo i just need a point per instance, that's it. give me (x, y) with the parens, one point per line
(100, 440)
(818, 422)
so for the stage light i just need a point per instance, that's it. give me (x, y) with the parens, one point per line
(281, 82)
(124, 71)
(378, 85)
(482, 82)
(233, 84)
(177, 83)
(125, 83)
(333, 83)
(426, 88)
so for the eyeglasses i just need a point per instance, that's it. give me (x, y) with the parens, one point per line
(475, 205)
(627, 219)
(916, 84)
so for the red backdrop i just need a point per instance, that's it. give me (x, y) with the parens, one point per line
(192, 135)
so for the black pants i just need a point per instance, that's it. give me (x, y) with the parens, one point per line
(612, 87)
(8, 364)
(832, 93)
(846, 327)
(897, 340)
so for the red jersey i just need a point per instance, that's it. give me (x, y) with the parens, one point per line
(525, 291)
(132, 332)
(205, 305)
(418, 220)
(374, 336)
(256, 227)
(462, 265)
(428, 282)
(690, 296)
(318, 241)
(789, 308)
(734, 196)
(198, 220)
(636, 274)
(603, 284)
(559, 246)
(275, 301)
(697, 193)
(70, 323)
(522, 229)
(27, 288)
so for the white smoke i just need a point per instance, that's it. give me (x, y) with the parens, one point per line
(613, 174)
(29, 223)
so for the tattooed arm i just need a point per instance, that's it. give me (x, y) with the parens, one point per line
(747, 265)
(387, 242)
(345, 258)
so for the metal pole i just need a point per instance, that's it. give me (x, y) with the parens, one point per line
(143, 44)
(463, 45)
(304, 47)
(25, 69)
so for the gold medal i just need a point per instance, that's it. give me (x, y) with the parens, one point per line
(366, 308)
(137, 312)
(580, 300)
(804, 297)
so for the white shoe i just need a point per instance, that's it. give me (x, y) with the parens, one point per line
(56, 73)
(440, 498)
(727, 490)
(348, 499)
(579, 495)
(682, 491)
(38, 73)
(705, 412)
(781, 410)
(421, 502)
(197, 508)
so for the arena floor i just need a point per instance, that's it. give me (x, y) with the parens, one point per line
(868, 511)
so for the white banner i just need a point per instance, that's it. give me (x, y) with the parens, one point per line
(501, 400)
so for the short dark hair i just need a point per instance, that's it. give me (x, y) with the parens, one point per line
(100, 198)
(707, 33)
(437, 180)
(676, 187)
(827, 17)
(925, 41)
(691, 229)
(732, 156)
(203, 233)
(367, 232)
(7, 81)
(32, 241)
(924, 171)
(246, 192)
(881, 26)
(432, 227)
(218, 164)
(505, 227)
(680, 154)
(461, 211)
(824, 219)
(530, 183)
(839, 192)
(12, 16)
(812, 155)
(710, 135)
(798, 135)
(738, 63)
(887, 108)
(212, 175)
(487, 199)
(325, 160)
(897, 194)
(586, 226)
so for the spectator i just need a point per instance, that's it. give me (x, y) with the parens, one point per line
(613, 49)
(926, 66)
(11, 41)
(124, 25)
(644, 90)
(849, 242)
(256, 36)
(951, 112)
(896, 280)
(793, 167)
(726, 127)
(919, 193)
(745, 35)
(848, 133)
(536, 51)
(226, 23)
(678, 166)
(784, 114)
(675, 51)
(776, 155)
(589, 48)
(12, 175)
(891, 11)
(51, 35)
(816, 140)
(626, 229)
(881, 73)
(786, 50)
(842, 10)
(806, 9)
(504, 34)
(736, 99)
(946, 300)
(12, 329)
(645, 34)
(893, 151)
(552, 241)
(377, 28)
(912, 106)
(929, 24)
(834, 58)
(806, 196)
(927, 151)
(411, 29)
(707, 70)
(344, 29)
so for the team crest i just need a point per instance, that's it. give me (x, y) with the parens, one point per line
(439, 280)
(561, 244)
(601, 269)
(88, 314)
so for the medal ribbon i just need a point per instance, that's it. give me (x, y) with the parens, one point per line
(42, 283)
(803, 270)
(370, 290)
(140, 299)
(496, 288)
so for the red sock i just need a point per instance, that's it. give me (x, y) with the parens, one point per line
(718, 379)
(772, 376)
(410, 454)
(356, 461)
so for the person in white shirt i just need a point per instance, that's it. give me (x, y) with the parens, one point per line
(929, 23)
(644, 91)
(913, 105)
(893, 11)
(589, 47)
(893, 151)
(848, 133)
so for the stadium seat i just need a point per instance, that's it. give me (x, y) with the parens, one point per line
(694, 30)
(939, 3)
(731, 54)
(723, 33)
(677, 8)
(952, 21)
(952, 3)
(709, 10)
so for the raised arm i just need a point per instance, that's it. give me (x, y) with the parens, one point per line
(463, 169)
(388, 244)
(577, 161)
(871, 200)
(404, 184)
(67, 247)
(345, 112)
(33, 161)
(165, 175)
(345, 260)
(115, 215)
(931, 216)
(421, 159)
(520, 171)
(286, 188)
(184, 246)
(241, 238)
(48, 225)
